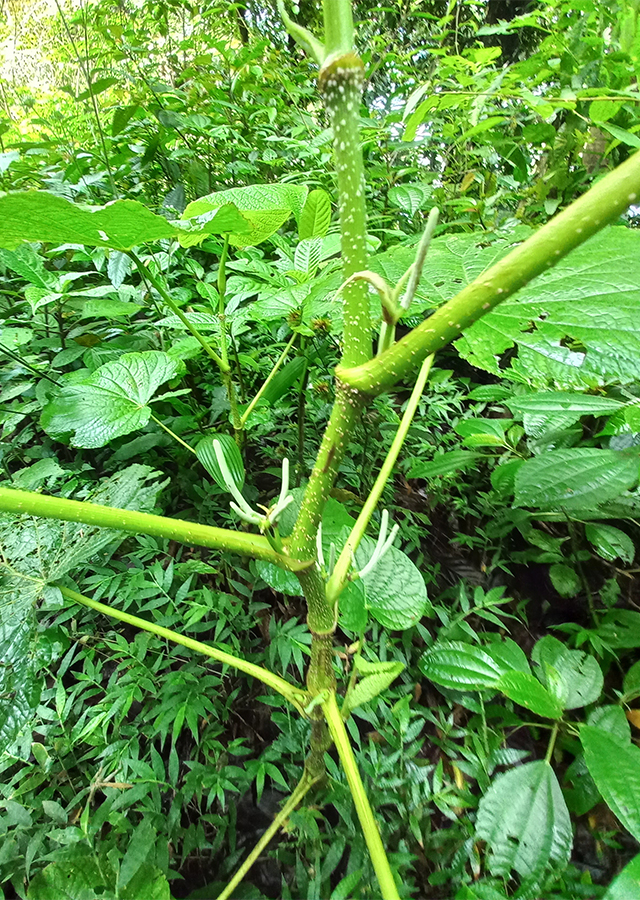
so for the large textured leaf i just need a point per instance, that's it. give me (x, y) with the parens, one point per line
(83, 878)
(374, 679)
(34, 552)
(615, 768)
(575, 479)
(112, 401)
(611, 542)
(525, 822)
(627, 884)
(576, 325)
(395, 592)
(20, 687)
(525, 689)
(573, 676)
(561, 402)
(459, 666)
(315, 217)
(38, 216)
(264, 206)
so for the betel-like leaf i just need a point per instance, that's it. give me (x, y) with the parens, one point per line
(315, 217)
(615, 768)
(525, 821)
(577, 324)
(575, 479)
(462, 667)
(395, 592)
(573, 676)
(205, 452)
(36, 216)
(264, 206)
(611, 543)
(110, 402)
(410, 197)
(627, 883)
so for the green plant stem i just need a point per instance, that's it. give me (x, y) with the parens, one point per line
(340, 82)
(604, 202)
(344, 415)
(338, 27)
(304, 785)
(363, 808)
(297, 696)
(340, 573)
(552, 742)
(245, 544)
(272, 373)
(302, 393)
(172, 433)
(146, 275)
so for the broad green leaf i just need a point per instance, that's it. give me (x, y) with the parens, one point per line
(525, 690)
(503, 477)
(603, 110)
(525, 821)
(615, 768)
(611, 719)
(627, 884)
(36, 216)
(575, 479)
(564, 579)
(112, 401)
(410, 197)
(34, 552)
(108, 309)
(26, 262)
(631, 683)
(119, 266)
(265, 207)
(576, 324)
(141, 842)
(443, 464)
(611, 543)
(376, 678)
(307, 255)
(315, 217)
(620, 629)
(459, 666)
(507, 654)
(621, 134)
(205, 452)
(395, 592)
(352, 606)
(279, 579)
(20, 687)
(571, 405)
(581, 679)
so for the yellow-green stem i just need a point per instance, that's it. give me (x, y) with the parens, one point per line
(304, 785)
(172, 433)
(297, 696)
(363, 808)
(339, 575)
(281, 359)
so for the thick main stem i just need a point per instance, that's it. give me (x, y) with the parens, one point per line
(135, 522)
(340, 81)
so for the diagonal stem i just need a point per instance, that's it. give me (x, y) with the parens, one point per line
(296, 696)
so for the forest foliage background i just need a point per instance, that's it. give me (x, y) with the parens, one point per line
(130, 766)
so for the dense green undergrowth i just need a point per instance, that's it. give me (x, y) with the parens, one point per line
(501, 758)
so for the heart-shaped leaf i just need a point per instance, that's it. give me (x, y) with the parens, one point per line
(111, 402)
